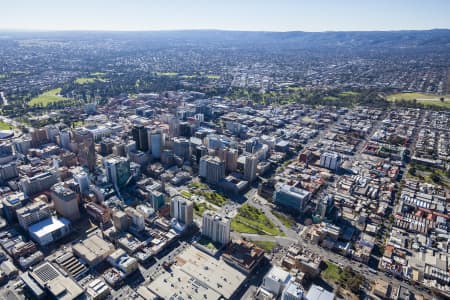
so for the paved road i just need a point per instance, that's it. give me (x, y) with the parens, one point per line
(333, 257)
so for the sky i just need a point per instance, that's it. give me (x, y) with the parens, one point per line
(265, 15)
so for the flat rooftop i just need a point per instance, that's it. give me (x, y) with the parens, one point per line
(61, 287)
(179, 285)
(213, 273)
(93, 247)
(47, 226)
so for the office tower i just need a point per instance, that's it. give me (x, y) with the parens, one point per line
(252, 145)
(140, 136)
(291, 197)
(182, 210)
(292, 291)
(119, 149)
(22, 145)
(38, 137)
(65, 201)
(33, 213)
(251, 162)
(38, 183)
(82, 179)
(157, 199)
(118, 170)
(199, 152)
(8, 171)
(106, 146)
(11, 204)
(181, 148)
(185, 129)
(174, 127)
(215, 227)
(52, 132)
(85, 148)
(330, 160)
(212, 169)
(137, 219)
(120, 220)
(231, 160)
(156, 143)
(64, 139)
(276, 280)
(167, 157)
(214, 142)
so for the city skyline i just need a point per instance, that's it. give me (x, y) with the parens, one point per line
(285, 15)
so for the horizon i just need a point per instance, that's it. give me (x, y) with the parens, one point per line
(234, 15)
(12, 30)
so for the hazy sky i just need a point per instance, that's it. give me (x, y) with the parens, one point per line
(274, 15)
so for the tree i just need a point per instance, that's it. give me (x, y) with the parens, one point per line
(442, 99)
(412, 171)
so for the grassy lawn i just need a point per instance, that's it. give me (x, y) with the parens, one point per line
(86, 80)
(346, 278)
(47, 98)
(348, 93)
(425, 99)
(186, 194)
(266, 245)
(295, 88)
(212, 76)
(199, 208)
(330, 98)
(198, 185)
(188, 76)
(78, 123)
(170, 74)
(2, 76)
(332, 272)
(5, 126)
(252, 220)
(286, 220)
(206, 242)
(98, 74)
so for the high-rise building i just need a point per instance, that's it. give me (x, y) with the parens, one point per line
(199, 152)
(65, 201)
(38, 183)
(330, 160)
(22, 144)
(174, 126)
(185, 129)
(83, 181)
(11, 203)
(276, 280)
(85, 147)
(231, 160)
(182, 210)
(120, 220)
(292, 291)
(157, 199)
(212, 169)
(8, 171)
(181, 148)
(52, 132)
(156, 143)
(215, 227)
(38, 137)
(140, 136)
(117, 170)
(251, 162)
(137, 219)
(291, 197)
(33, 213)
(64, 139)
